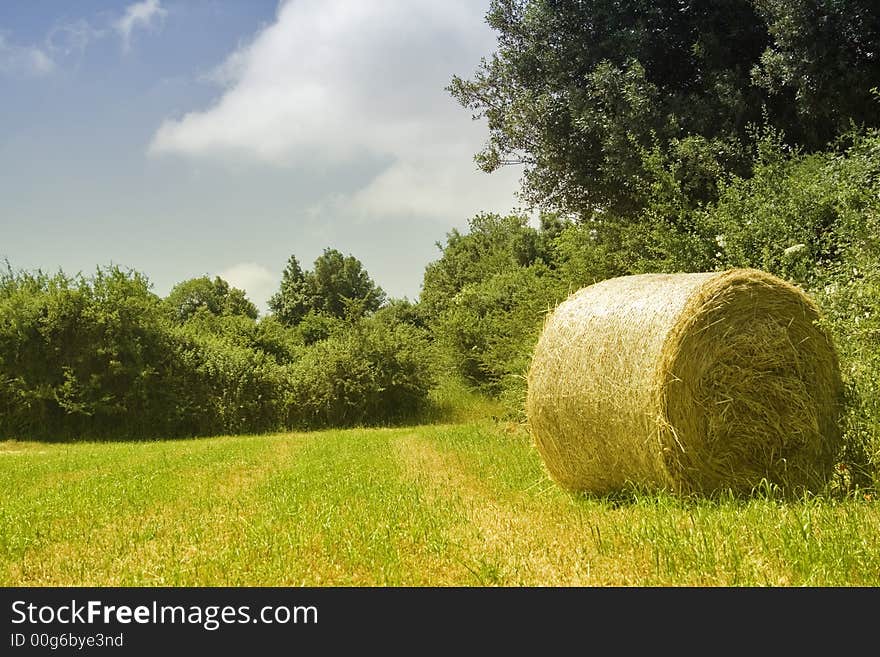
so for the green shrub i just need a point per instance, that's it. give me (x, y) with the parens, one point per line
(374, 373)
(402, 311)
(79, 356)
(852, 314)
(315, 326)
(666, 235)
(494, 244)
(490, 329)
(216, 386)
(815, 221)
(98, 358)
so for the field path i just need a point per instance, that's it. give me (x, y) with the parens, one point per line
(506, 539)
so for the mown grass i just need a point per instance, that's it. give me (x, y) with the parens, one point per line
(433, 505)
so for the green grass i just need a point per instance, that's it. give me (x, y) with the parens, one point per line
(464, 504)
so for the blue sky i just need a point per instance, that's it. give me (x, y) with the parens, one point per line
(183, 138)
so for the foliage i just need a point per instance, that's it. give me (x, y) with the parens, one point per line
(97, 357)
(578, 92)
(216, 297)
(491, 327)
(820, 66)
(78, 353)
(402, 311)
(484, 299)
(815, 220)
(314, 327)
(102, 357)
(219, 387)
(338, 286)
(293, 300)
(493, 244)
(375, 373)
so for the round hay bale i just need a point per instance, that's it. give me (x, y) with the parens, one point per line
(687, 382)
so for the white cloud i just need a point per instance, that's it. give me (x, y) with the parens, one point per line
(71, 38)
(256, 280)
(336, 82)
(143, 14)
(28, 61)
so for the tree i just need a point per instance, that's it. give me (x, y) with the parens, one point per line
(293, 300)
(338, 286)
(582, 92)
(217, 297)
(820, 66)
(342, 286)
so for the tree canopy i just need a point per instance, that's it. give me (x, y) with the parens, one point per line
(337, 286)
(215, 296)
(582, 91)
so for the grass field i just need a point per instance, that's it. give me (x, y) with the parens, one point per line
(435, 505)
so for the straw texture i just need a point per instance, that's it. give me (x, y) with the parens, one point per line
(687, 382)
